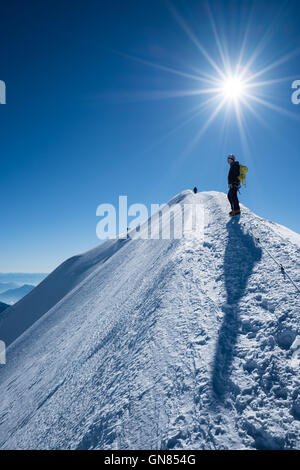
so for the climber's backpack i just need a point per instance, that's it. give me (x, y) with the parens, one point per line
(242, 176)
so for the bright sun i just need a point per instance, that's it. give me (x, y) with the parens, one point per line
(233, 88)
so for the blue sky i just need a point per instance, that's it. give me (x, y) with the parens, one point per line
(91, 114)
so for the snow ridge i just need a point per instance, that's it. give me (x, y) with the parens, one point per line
(161, 344)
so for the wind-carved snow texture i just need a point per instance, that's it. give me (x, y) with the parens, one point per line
(161, 344)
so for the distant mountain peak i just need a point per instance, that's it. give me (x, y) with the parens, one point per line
(12, 296)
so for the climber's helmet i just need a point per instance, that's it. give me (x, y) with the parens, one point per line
(231, 159)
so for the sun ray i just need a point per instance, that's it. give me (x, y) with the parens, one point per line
(264, 41)
(164, 68)
(194, 39)
(225, 120)
(273, 106)
(158, 95)
(208, 76)
(256, 114)
(242, 131)
(199, 109)
(274, 64)
(245, 38)
(204, 128)
(225, 60)
(270, 82)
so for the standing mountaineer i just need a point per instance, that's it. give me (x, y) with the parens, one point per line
(234, 185)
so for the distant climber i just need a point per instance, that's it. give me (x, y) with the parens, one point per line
(234, 185)
(195, 190)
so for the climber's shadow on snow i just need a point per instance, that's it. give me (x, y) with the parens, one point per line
(241, 255)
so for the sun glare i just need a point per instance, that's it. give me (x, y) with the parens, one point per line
(233, 88)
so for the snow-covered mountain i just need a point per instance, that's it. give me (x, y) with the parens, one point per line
(160, 344)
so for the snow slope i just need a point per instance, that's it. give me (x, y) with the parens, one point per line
(160, 344)
(3, 306)
(50, 291)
